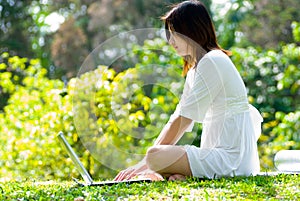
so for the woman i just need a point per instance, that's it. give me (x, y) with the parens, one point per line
(214, 95)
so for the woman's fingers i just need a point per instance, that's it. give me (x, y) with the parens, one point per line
(125, 174)
(130, 175)
(131, 171)
(120, 176)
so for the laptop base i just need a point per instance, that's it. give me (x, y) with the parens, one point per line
(110, 183)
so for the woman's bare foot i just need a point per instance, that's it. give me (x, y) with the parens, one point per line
(178, 177)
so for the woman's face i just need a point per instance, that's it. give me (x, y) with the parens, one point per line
(179, 43)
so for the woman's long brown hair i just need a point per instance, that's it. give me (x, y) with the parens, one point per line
(192, 20)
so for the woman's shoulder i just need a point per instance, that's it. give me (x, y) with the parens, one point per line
(216, 54)
(216, 59)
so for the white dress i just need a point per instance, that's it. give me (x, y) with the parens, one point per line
(214, 94)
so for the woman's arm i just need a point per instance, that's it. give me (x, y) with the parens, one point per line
(173, 131)
(171, 134)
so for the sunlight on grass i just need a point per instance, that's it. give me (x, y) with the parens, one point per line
(285, 187)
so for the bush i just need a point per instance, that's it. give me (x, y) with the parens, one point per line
(35, 111)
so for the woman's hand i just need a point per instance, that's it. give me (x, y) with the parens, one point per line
(131, 172)
(140, 173)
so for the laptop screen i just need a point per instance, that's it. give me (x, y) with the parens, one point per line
(84, 173)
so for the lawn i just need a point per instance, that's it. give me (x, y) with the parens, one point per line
(280, 187)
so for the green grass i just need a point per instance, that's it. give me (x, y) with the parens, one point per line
(280, 187)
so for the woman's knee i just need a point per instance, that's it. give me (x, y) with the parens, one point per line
(152, 157)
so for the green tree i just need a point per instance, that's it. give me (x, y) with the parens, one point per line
(26, 34)
(227, 24)
(15, 21)
(69, 48)
(99, 21)
(268, 23)
(23, 30)
(260, 23)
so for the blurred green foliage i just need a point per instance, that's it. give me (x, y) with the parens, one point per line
(28, 28)
(107, 108)
(109, 116)
(34, 111)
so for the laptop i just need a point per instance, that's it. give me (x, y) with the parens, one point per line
(88, 181)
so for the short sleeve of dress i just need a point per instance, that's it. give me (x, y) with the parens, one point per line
(206, 83)
(177, 112)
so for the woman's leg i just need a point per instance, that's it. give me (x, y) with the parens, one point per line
(168, 160)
